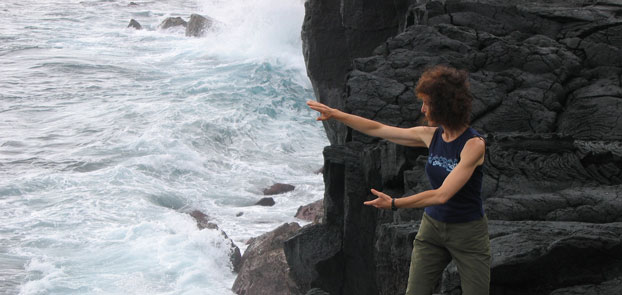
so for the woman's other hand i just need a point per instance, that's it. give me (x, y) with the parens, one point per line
(382, 201)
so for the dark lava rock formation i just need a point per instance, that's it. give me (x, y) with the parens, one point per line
(264, 270)
(171, 22)
(198, 25)
(547, 81)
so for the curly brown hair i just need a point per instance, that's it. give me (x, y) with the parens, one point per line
(450, 96)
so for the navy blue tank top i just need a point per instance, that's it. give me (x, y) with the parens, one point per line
(466, 204)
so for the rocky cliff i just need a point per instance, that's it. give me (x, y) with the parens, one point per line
(547, 82)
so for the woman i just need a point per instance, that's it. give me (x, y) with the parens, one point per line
(454, 225)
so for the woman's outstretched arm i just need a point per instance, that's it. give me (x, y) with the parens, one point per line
(419, 136)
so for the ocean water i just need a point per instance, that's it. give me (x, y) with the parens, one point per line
(109, 136)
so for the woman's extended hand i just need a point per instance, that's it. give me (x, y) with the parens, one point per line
(382, 201)
(325, 111)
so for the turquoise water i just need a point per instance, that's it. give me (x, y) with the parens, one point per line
(108, 135)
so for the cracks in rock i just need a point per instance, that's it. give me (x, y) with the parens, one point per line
(491, 109)
(479, 41)
(596, 29)
(564, 102)
(451, 17)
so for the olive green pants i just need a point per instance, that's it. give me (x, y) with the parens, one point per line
(437, 243)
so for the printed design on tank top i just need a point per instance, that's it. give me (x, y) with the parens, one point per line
(440, 161)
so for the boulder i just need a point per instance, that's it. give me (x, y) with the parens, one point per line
(315, 259)
(278, 188)
(203, 222)
(264, 270)
(265, 202)
(197, 25)
(311, 212)
(171, 22)
(135, 24)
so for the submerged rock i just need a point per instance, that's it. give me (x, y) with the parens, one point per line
(170, 22)
(278, 188)
(203, 222)
(265, 202)
(264, 270)
(320, 171)
(135, 24)
(197, 25)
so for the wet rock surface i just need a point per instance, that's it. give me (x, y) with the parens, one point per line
(198, 25)
(265, 202)
(203, 222)
(547, 84)
(311, 212)
(264, 270)
(134, 24)
(171, 22)
(278, 188)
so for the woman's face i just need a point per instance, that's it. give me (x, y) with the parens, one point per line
(425, 107)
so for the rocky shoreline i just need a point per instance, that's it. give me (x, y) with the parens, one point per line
(547, 82)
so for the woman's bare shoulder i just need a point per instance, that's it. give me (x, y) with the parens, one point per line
(423, 133)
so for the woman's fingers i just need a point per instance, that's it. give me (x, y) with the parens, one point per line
(321, 108)
(382, 201)
(380, 194)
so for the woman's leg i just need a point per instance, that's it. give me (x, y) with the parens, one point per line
(429, 259)
(469, 245)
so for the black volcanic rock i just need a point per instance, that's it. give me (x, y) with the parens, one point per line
(314, 257)
(546, 79)
(197, 25)
(264, 270)
(170, 22)
(134, 24)
(529, 257)
(278, 188)
(265, 202)
(608, 287)
(335, 32)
